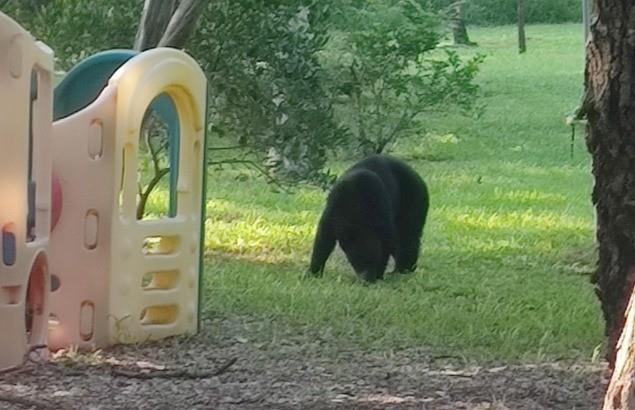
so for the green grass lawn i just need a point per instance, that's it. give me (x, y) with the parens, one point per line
(506, 252)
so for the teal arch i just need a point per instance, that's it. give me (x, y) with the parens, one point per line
(86, 80)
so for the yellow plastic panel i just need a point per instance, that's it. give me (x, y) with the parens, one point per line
(168, 249)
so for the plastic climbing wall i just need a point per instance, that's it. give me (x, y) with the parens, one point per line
(121, 279)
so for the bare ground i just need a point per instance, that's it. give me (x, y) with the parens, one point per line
(289, 371)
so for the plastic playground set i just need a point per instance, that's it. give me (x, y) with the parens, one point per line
(78, 268)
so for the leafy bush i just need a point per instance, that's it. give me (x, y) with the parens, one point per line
(393, 74)
(266, 84)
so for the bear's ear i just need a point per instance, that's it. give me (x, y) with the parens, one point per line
(323, 244)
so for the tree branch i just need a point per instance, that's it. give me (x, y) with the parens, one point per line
(143, 196)
(153, 154)
(403, 120)
(357, 95)
(581, 110)
(174, 374)
(231, 147)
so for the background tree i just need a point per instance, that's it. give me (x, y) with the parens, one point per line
(522, 41)
(458, 25)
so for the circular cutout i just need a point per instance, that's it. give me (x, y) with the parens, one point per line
(55, 283)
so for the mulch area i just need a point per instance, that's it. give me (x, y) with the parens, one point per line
(218, 370)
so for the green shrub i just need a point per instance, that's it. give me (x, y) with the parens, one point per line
(393, 72)
(266, 84)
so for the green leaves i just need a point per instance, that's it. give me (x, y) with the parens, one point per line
(266, 83)
(75, 29)
(266, 93)
(397, 73)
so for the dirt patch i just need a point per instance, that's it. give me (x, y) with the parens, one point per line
(290, 371)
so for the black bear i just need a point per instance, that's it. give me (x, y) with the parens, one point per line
(376, 209)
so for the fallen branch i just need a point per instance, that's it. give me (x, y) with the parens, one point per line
(172, 374)
(28, 403)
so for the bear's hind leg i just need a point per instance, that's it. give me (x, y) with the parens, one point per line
(407, 255)
(408, 244)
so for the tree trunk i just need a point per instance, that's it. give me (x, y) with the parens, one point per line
(457, 23)
(621, 390)
(167, 23)
(522, 42)
(182, 23)
(610, 109)
(154, 20)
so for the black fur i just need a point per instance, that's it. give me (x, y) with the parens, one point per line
(377, 209)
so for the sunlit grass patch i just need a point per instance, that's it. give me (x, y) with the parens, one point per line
(261, 233)
(528, 197)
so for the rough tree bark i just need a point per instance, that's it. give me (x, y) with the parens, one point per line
(457, 23)
(167, 23)
(621, 390)
(522, 41)
(609, 105)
